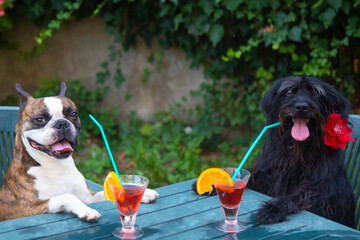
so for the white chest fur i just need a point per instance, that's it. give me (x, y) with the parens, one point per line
(58, 178)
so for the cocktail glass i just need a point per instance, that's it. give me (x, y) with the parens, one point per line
(128, 202)
(230, 198)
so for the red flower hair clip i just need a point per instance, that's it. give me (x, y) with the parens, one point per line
(337, 132)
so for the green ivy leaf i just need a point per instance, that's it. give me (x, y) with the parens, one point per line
(279, 19)
(216, 33)
(336, 4)
(102, 76)
(207, 6)
(177, 20)
(55, 24)
(218, 14)
(327, 17)
(119, 78)
(128, 97)
(295, 34)
(146, 76)
(5, 23)
(232, 5)
(146, 129)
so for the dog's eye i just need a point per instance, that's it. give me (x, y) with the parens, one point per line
(74, 115)
(315, 93)
(290, 92)
(40, 120)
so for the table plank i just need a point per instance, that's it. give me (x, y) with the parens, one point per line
(177, 212)
(28, 222)
(67, 222)
(39, 220)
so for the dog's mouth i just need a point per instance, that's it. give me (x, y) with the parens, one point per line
(300, 130)
(60, 149)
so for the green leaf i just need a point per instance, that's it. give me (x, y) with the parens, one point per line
(295, 34)
(119, 78)
(207, 6)
(356, 3)
(54, 24)
(279, 19)
(336, 4)
(128, 97)
(146, 129)
(38, 40)
(102, 76)
(216, 33)
(177, 20)
(218, 14)
(232, 5)
(327, 17)
(5, 23)
(317, 4)
(146, 76)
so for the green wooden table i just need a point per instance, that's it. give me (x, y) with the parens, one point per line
(178, 213)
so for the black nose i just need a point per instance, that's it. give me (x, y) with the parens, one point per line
(301, 107)
(62, 126)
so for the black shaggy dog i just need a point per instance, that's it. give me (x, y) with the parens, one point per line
(296, 168)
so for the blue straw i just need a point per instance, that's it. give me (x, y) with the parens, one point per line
(251, 148)
(107, 147)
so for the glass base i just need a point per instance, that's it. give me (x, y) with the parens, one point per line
(128, 234)
(235, 227)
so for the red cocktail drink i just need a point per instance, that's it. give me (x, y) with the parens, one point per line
(128, 202)
(230, 198)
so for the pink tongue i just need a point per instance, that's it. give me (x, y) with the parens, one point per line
(300, 131)
(61, 146)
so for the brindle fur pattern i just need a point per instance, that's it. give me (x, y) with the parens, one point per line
(18, 196)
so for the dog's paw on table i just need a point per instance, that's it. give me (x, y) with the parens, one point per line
(87, 214)
(270, 214)
(149, 196)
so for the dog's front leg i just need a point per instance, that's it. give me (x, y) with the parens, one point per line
(71, 203)
(277, 209)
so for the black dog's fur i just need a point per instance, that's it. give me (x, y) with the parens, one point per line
(302, 175)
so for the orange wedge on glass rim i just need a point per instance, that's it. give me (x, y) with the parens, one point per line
(210, 176)
(112, 179)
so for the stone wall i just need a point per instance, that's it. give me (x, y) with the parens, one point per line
(76, 52)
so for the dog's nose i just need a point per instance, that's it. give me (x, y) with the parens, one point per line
(62, 126)
(301, 107)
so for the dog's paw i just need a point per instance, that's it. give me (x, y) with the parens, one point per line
(88, 214)
(270, 213)
(149, 196)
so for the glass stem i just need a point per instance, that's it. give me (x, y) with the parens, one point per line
(128, 222)
(231, 215)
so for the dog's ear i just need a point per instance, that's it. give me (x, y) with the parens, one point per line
(62, 90)
(335, 102)
(24, 97)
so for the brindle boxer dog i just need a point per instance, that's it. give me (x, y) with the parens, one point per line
(42, 177)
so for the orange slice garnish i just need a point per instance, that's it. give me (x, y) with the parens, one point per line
(112, 179)
(211, 176)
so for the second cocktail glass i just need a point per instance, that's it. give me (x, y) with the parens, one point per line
(230, 198)
(128, 202)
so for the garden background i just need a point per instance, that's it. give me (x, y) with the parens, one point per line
(176, 84)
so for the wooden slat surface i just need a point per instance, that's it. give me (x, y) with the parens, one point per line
(178, 213)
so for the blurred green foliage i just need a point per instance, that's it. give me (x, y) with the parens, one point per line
(242, 46)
